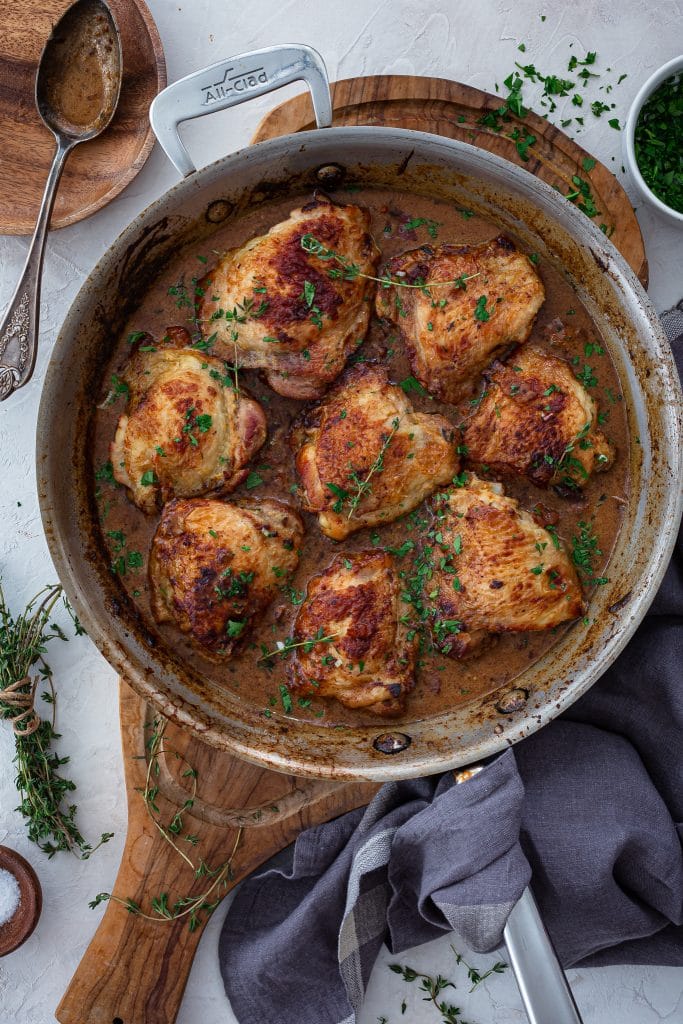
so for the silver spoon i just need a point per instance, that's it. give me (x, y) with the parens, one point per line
(77, 90)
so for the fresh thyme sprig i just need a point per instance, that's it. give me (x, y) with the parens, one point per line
(435, 986)
(50, 821)
(350, 271)
(289, 644)
(197, 907)
(473, 973)
(363, 486)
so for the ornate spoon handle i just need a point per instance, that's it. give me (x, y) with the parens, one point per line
(19, 329)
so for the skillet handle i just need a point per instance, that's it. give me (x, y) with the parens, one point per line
(542, 983)
(234, 81)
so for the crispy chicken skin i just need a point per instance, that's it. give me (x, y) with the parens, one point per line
(212, 566)
(186, 431)
(495, 569)
(270, 304)
(364, 457)
(537, 420)
(447, 344)
(370, 662)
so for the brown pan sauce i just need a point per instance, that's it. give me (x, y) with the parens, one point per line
(562, 327)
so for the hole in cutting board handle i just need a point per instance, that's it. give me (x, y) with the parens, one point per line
(117, 1020)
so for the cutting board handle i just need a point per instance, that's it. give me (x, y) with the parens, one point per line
(135, 971)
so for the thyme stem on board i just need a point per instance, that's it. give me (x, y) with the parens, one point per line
(198, 907)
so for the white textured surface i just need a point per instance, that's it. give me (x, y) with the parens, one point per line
(471, 40)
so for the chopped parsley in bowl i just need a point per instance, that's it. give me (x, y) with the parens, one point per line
(653, 140)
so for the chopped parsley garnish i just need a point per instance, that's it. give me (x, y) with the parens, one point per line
(412, 384)
(480, 310)
(585, 553)
(253, 480)
(432, 226)
(657, 141)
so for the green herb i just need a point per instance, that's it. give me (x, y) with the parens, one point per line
(105, 473)
(417, 222)
(118, 388)
(657, 142)
(585, 553)
(587, 377)
(253, 480)
(435, 986)
(308, 295)
(347, 271)
(286, 646)
(480, 311)
(197, 907)
(235, 628)
(46, 795)
(193, 422)
(412, 384)
(474, 975)
(363, 486)
(148, 478)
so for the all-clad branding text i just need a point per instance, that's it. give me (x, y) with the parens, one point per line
(233, 84)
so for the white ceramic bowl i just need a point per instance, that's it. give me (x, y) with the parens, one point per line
(628, 144)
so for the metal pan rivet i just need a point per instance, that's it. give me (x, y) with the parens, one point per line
(330, 175)
(513, 700)
(218, 210)
(392, 742)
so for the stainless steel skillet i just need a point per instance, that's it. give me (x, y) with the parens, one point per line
(189, 214)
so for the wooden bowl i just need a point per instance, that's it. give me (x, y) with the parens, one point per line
(16, 931)
(98, 170)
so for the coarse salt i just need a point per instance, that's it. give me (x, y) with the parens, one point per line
(10, 896)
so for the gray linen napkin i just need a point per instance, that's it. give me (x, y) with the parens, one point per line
(590, 808)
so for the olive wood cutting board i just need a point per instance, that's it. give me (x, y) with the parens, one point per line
(135, 971)
(442, 107)
(97, 170)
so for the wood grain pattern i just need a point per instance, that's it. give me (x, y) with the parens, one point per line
(135, 971)
(98, 170)
(448, 108)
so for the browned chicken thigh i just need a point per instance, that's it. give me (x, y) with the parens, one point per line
(216, 565)
(272, 304)
(495, 570)
(367, 660)
(364, 457)
(537, 420)
(453, 330)
(186, 431)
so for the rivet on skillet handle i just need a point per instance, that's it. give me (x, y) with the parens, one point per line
(234, 81)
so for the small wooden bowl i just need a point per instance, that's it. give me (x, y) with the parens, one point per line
(16, 931)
